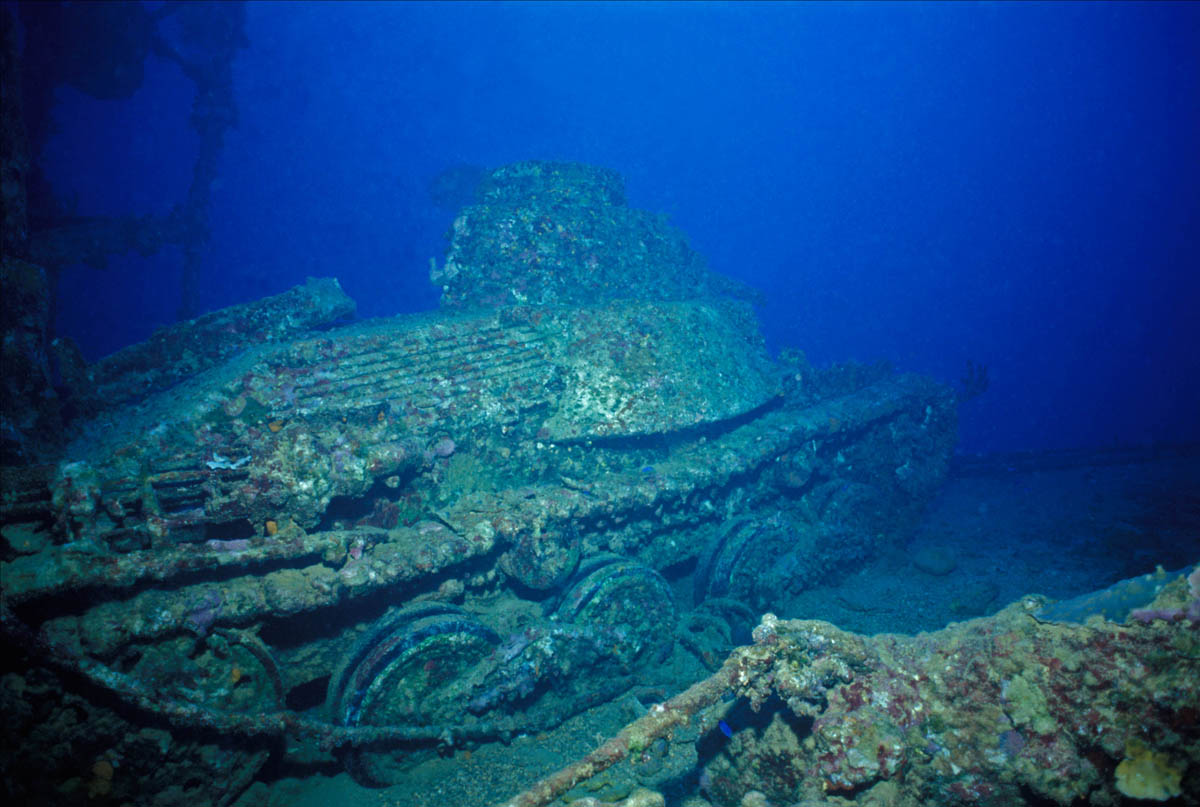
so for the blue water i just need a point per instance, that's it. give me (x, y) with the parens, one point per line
(1009, 189)
(1012, 184)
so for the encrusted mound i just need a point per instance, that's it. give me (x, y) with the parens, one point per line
(547, 233)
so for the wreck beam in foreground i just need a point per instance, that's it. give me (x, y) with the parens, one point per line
(989, 712)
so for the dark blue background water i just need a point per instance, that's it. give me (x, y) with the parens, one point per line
(1015, 184)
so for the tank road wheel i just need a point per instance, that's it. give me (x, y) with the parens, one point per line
(231, 672)
(413, 669)
(757, 561)
(631, 601)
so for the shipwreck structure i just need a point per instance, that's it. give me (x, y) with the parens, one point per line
(273, 530)
(394, 535)
(1089, 701)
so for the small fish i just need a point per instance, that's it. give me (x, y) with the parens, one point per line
(728, 732)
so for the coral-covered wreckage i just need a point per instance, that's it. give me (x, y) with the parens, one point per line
(272, 531)
(1027, 706)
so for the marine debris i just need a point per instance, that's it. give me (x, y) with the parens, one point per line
(382, 539)
(996, 711)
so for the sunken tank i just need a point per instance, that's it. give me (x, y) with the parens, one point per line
(275, 533)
